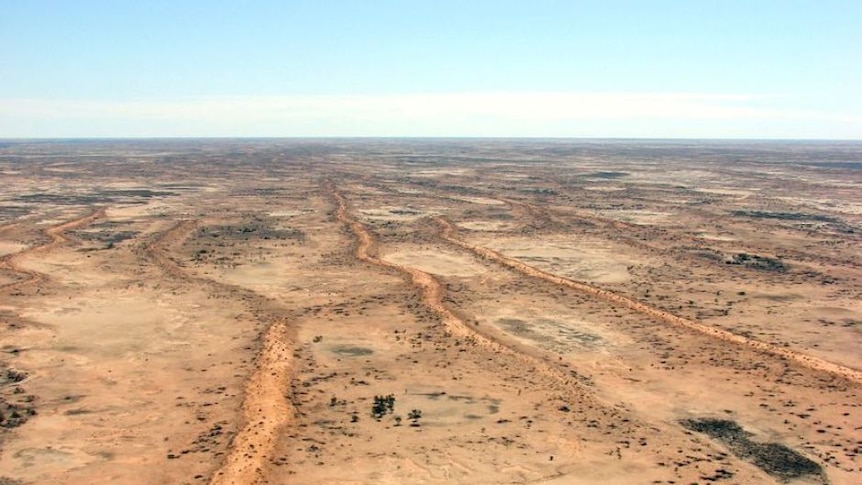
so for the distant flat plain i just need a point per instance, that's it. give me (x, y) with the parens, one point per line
(430, 311)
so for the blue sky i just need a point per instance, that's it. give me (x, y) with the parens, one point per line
(670, 69)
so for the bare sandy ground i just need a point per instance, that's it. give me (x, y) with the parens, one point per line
(293, 312)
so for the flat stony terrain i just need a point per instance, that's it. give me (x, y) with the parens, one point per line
(430, 311)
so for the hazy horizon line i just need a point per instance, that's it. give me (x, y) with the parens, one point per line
(491, 114)
(396, 137)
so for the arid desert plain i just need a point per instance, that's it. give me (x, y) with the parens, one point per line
(430, 311)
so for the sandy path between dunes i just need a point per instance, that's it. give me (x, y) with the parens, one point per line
(432, 294)
(447, 232)
(58, 236)
(265, 409)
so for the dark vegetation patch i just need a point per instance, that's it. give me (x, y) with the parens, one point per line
(494, 213)
(775, 459)
(753, 261)
(144, 193)
(10, 212)
(107, 235)
(263, 192)
(16, 406)
(785, 216)
(835, 223)
(847, 165)
(57, 199)
(11, 376)
(257, 228)
(211, 242)
(538, 191)
(100, 197)
(352, 351)
(709, 254)
(763, 263)
(605, 175)
(460, 190)
(778, 297)
(405, 212)
(181, 187)
(77, 411)
(205, 441)
(119, 236)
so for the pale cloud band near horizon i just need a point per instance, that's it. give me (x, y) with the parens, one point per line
(440, 114)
